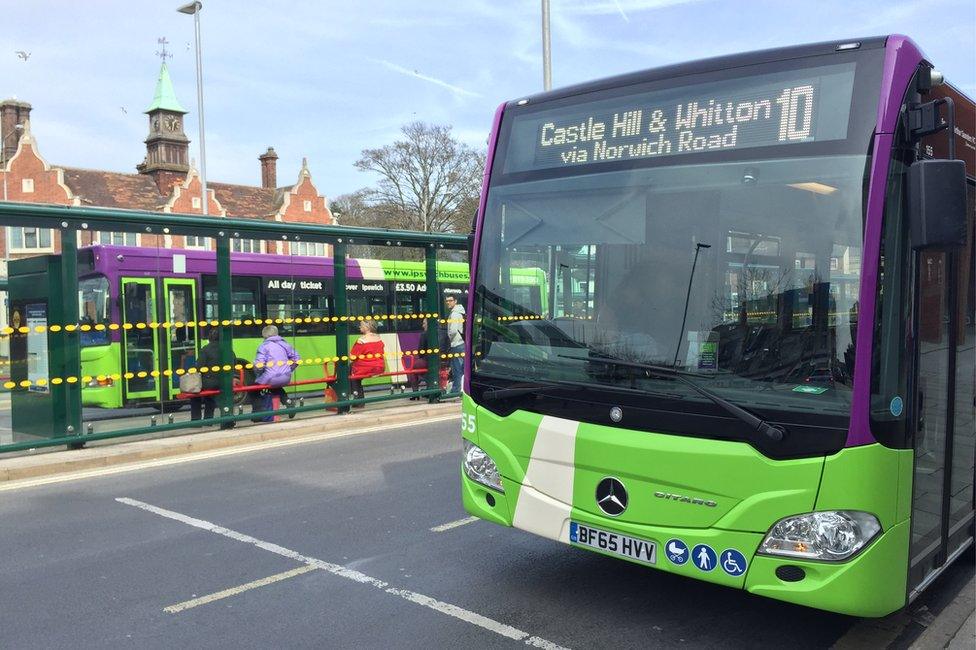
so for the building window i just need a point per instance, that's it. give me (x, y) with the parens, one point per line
(195, 241)
(311, 249)
(245, 245)
(30, 239)
(195, 202)
(118, 238)
(308, 206)
(27, 185)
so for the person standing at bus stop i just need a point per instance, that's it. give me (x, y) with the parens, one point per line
(455, 333)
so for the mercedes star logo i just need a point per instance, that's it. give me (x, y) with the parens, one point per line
(611, 496)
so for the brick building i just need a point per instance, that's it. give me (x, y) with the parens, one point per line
(165, 181)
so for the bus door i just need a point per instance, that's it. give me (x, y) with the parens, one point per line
(181, 337)
(942, 497)
(139, 344)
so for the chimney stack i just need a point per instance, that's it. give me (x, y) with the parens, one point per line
(269, 169)
(12, 113)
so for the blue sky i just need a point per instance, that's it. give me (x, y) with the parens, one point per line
(326, 79)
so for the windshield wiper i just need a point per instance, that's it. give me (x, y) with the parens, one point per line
(774, 432)
(527, 388)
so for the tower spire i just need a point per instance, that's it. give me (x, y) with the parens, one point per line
(165, 97)
(167, 147)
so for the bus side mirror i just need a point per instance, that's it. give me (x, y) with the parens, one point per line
(470, 247)
(937, 203)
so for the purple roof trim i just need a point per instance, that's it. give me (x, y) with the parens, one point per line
(902, 57)
(492, 142)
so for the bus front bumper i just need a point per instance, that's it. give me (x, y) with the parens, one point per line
(871, 583)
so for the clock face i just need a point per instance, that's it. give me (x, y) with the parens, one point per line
(172, 123)
(155, 124)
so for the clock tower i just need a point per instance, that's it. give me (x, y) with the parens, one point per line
(167, 147)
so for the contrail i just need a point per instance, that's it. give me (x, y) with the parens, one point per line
(621, 10)
(457, 90)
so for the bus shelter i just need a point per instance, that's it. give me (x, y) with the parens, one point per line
(102, 327)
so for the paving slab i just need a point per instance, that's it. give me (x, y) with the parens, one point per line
(122, 451)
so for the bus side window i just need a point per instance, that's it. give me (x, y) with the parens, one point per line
(377, 305)
(407, 302)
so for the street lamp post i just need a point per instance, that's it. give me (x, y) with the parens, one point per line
(546, 56)
(193, 9)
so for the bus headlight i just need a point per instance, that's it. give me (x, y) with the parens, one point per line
(830, 535)
(480, 468)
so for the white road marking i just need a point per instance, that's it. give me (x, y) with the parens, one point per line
(453, 524)
(207, 455)
(432, 603)
(233, 591)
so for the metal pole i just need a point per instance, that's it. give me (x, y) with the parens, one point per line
(432, 306)
(203, 146)
(226, 316)
(72, 340)
(342, 326)
(546, 57)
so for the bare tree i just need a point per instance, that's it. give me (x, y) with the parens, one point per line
(354, 209)
(428, 180)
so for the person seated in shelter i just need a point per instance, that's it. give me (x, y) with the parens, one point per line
(208, 358)
(368, 358)
(276, 359)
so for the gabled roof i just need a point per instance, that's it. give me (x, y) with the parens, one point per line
(165, 96)
(245, 201)
(113, 189)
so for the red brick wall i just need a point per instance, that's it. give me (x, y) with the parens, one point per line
(27, 164)
(182, 199)
(293, 209)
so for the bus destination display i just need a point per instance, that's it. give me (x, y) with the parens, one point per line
(803, 106)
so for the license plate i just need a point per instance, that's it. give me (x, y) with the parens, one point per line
(614, 543)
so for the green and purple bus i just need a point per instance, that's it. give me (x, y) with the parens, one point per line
(755, 364)
(142, 309)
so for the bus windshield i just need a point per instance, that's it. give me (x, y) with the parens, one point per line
(738, 263)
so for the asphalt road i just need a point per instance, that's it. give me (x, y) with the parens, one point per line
(340, 533)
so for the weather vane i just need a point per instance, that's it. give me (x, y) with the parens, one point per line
(162, 53)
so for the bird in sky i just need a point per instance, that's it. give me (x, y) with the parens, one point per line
(23, 55)
(124, 112)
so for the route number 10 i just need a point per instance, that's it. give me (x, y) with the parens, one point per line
(796, 113)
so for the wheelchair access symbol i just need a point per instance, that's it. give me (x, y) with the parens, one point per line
(733, 562)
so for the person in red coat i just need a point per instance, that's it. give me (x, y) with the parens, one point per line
(368, 357)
